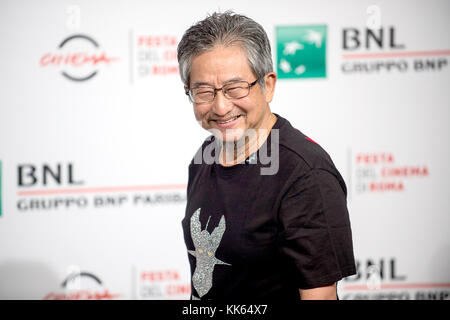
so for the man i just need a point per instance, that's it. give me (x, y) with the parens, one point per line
(283, 233)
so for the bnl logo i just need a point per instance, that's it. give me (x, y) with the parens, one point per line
(301, 51)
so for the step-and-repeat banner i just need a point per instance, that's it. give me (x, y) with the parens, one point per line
(96, 134)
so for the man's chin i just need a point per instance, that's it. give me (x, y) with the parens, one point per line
(228, 135)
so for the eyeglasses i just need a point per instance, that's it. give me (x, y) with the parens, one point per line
(232, 90)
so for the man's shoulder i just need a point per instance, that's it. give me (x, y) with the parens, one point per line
(199, 163)
(205, 155)
(296, 146)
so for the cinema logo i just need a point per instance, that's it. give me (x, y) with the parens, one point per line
(379, 49)
(81, 285)
(78, 57)
(156, 55)
(162, 284)
(58, 186)
(385, 279)
(379, 172)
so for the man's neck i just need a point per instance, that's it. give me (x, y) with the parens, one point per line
(235, 152)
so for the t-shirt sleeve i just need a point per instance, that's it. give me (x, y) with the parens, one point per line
(316, 234)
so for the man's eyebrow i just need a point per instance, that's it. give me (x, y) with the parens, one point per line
(233, 80)
(201, 83)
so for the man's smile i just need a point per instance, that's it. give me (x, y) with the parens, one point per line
(226, 122)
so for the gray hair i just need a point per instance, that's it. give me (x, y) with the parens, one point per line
(226, 29)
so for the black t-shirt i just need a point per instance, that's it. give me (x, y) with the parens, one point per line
(255, 236)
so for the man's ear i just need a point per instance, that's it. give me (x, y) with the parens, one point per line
(270, 80)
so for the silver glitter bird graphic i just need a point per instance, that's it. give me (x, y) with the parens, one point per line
(205, 245)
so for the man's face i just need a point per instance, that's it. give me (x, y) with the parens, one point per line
(218, 67)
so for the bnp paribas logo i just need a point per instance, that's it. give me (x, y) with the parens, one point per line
(301, 51)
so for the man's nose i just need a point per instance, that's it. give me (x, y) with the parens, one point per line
(221, 105)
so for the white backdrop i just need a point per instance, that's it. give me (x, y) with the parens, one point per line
(93, 172)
